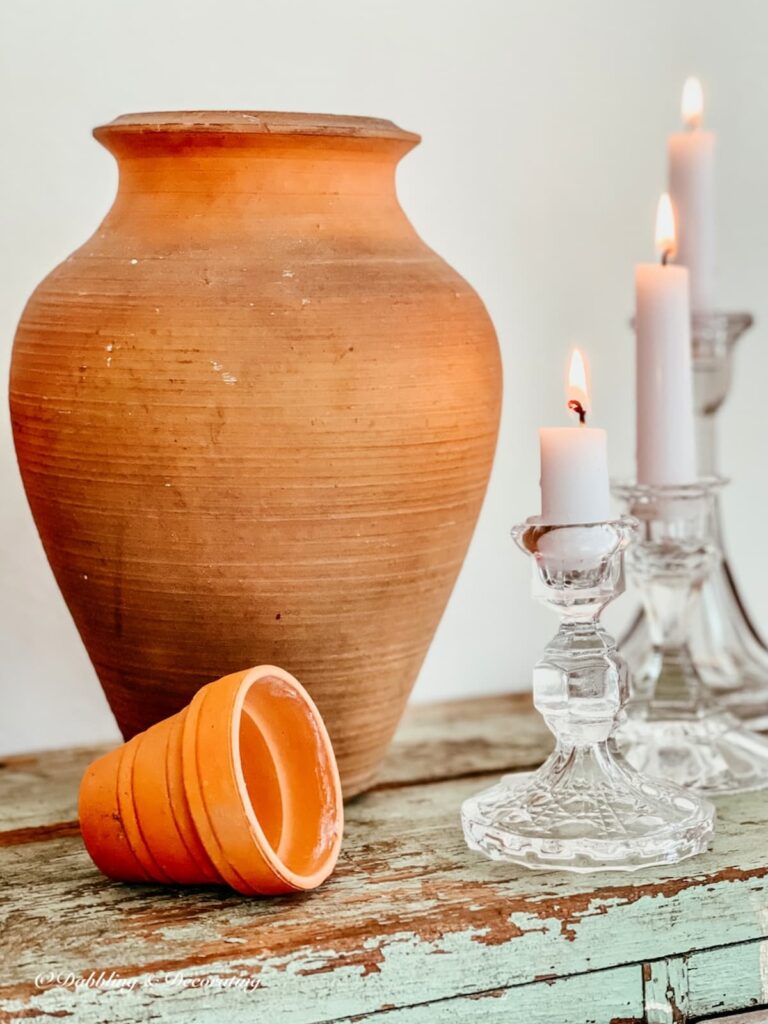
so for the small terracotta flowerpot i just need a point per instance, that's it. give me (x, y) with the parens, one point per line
(240, 788)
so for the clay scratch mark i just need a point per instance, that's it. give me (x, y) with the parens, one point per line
(226, 376)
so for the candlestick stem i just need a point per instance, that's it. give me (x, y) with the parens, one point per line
(669, 681)
(706, 444)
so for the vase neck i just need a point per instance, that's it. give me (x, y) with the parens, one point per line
(243, 153)
(213, 188)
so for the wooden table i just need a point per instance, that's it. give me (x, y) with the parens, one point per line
(412, 928)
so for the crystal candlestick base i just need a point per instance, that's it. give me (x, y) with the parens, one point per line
(675, 727)
(585, 809)
(726, 645)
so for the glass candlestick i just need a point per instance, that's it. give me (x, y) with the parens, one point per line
(675, 727)
(585, 809)
(726, 645)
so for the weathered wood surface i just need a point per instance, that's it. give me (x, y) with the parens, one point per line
(457, 739)
(412, 928)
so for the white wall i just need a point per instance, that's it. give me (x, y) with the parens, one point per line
(543, 155)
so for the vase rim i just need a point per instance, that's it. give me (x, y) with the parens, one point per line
(256, 122)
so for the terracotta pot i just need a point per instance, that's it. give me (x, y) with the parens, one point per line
(255, 416)
(240, 788)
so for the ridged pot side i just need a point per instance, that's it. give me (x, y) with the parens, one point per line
(255, 416)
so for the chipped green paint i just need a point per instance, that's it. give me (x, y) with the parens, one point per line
(594, 998)
(412, 928)
(666, 991)
(728, 978)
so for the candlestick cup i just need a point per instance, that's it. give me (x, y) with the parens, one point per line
(675, 727)
(585, 809)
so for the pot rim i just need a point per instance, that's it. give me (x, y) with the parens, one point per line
(254, 122)
(220, 804)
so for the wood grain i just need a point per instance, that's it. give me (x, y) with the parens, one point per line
(614, 995)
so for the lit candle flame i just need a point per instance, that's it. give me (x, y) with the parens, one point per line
(693, 103)
(577, 390)
(666, 238)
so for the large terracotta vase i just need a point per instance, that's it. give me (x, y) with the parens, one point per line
(255, 416)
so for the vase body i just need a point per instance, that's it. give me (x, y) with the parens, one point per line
(255, 417)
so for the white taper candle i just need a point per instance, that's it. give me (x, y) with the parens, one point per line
(666, 447)
(574, 475)
(691, 156)
(574, 462)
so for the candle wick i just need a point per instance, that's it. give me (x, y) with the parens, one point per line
(665, 257)
(575, 406)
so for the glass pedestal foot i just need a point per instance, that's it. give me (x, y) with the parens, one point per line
(712, 753)
(585, 810)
